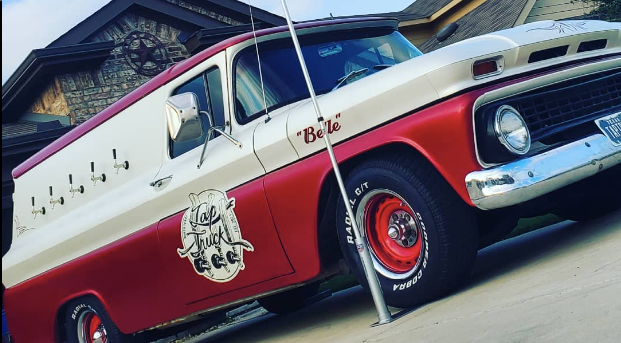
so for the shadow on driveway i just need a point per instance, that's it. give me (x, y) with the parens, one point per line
(347, 315)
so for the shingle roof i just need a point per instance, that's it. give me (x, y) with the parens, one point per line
(19, 128)
(426, 8)
(417, 10)
(492, 15)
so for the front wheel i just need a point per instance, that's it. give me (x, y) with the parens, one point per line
(421, 235)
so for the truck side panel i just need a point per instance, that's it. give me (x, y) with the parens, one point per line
(130, 288)
(266, 261)
(292, 193)
(142, 281)
(106, 211)
(154, 292)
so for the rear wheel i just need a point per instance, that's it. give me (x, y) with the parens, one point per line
(88, 322)
(422, 236)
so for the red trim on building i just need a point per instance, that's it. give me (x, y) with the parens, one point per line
(155, 83)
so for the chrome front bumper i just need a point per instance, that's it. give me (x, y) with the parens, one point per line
(531, 177)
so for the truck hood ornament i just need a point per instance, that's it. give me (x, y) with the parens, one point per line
(211, 236)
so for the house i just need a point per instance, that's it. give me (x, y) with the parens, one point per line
(422, 20)
(494, 15)
(109, 54)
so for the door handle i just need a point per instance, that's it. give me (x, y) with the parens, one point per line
(159, 182)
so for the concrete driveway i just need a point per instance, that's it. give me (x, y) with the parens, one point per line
(558, 284)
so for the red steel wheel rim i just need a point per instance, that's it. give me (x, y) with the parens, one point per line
(93, 329)
(393, 256)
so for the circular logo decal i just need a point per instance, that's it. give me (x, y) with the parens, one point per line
(211, 236)
(145, 53)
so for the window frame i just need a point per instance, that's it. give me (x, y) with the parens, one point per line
(280, 41)
(207, 93)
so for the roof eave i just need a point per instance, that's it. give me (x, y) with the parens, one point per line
(204, 38)
(43, 63)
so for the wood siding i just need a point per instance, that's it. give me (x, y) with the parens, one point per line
(51, 101)
(557, 9)
(417, 34)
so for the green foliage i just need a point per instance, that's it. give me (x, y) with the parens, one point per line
(609, 10)
(338, 283)
(526, 225)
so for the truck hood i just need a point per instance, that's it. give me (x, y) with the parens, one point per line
(408, 86)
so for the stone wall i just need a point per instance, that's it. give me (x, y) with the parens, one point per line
(204, 11)
(144, 48)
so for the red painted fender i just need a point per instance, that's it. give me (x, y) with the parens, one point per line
(293, 191)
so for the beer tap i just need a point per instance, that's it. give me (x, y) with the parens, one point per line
(74, 190)
(118, 166)
(94, 178)
(36, 211)
(60, 201)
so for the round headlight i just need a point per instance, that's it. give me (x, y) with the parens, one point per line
(511, 130)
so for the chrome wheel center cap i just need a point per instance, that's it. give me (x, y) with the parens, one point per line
(100, 336)
(402, 229)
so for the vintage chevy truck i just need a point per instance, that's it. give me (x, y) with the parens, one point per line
(132, 222)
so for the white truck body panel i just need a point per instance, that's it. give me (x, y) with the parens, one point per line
(126, 203)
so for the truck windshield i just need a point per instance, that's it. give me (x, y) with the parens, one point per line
(333, 60)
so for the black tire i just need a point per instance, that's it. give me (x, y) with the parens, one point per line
(446, 226)
(81, 310)
(289, 301)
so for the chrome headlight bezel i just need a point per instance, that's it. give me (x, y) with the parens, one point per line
(503, 137)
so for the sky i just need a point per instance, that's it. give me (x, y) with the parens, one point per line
(33, 24)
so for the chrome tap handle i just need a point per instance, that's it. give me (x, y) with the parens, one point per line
(72, 190)
(60, 201)
(36, 211)
(94, 178)
(118, 166)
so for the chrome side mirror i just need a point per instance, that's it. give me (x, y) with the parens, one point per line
(183, 117)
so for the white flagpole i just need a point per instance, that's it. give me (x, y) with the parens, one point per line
(383, 314)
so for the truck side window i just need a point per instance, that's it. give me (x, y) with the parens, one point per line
(208, 89)
(214, 89)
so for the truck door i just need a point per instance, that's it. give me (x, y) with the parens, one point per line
(216, 232)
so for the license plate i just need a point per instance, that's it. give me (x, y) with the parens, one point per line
(611, 127)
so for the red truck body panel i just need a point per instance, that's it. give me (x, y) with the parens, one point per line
(143, 286)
